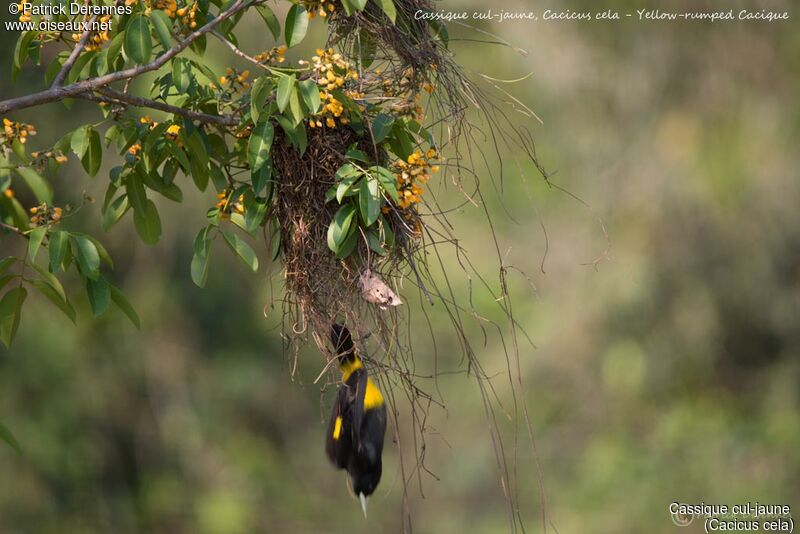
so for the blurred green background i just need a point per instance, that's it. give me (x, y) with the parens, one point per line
(667, 371)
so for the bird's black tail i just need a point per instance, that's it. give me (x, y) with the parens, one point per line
(342, 343)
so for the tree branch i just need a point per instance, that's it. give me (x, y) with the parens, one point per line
(119, 97)
(59, 93)
(62, 74)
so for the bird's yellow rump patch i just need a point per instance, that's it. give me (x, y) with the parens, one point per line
(337, 427)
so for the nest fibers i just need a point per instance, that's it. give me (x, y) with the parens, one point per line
(321, 289)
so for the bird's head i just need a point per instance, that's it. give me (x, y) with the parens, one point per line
(340, 337)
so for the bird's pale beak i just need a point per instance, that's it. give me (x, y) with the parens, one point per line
(363, 499)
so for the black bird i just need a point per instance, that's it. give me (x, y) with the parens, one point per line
(358, 420)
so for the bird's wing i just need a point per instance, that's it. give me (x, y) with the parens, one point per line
(338, 443)
(359, 380)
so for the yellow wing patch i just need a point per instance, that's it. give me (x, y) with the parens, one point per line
(372, 397)
(337, 427)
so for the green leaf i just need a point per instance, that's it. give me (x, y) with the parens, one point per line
(40, 187)
(381, 126)
(10, 311)
(339, 227)
(57, 248)
(101, 251)
(200, 259)
(386, 232)
(241, 249)
(310, 92)
(52, 70)
(162, 24)
(35, 241)
(349, 244)
(19, 151)
(258, 97)
(178, 153)
(182, 74)
(271, 20)
(23, 47)
(94, 153)
(356, 154)
(138, 44)
(295, 108)
(369, 199)
(296, 25)
(388, 181)
(135, 189)
(261, 177)
(99, 295)
(374, 242)
(114, 48)
(148, 223)
(82, 67)
(87, 256)
(388, 7)
(79, 141)
(220, 182)
(259, 145)
(8, 437)
(345, 183)
(14, 208)
(52, 295)
(359, 5)
(5, 263)
(123, 304)
(114, 212)
(285, 89)
(255, 210)
(51, 280)
(295, 132)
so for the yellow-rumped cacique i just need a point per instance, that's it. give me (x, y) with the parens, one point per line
(358, 420)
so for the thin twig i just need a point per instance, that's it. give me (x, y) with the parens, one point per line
(11, 228)
(238, 51)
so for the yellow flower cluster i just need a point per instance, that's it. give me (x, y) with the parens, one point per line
(24, 17)
(275, 55)
(96, 39)
(331, 69)
(331, 72)
(236, 80)
(417, 169)
(226, 204)
(172, 132)
(188, 15)
(318, 7)
(147, 120)
(170, 7)
(9, 193)
(43, 214)
(331, 110)
(135, 149)
(42, 157)
(16, 130)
